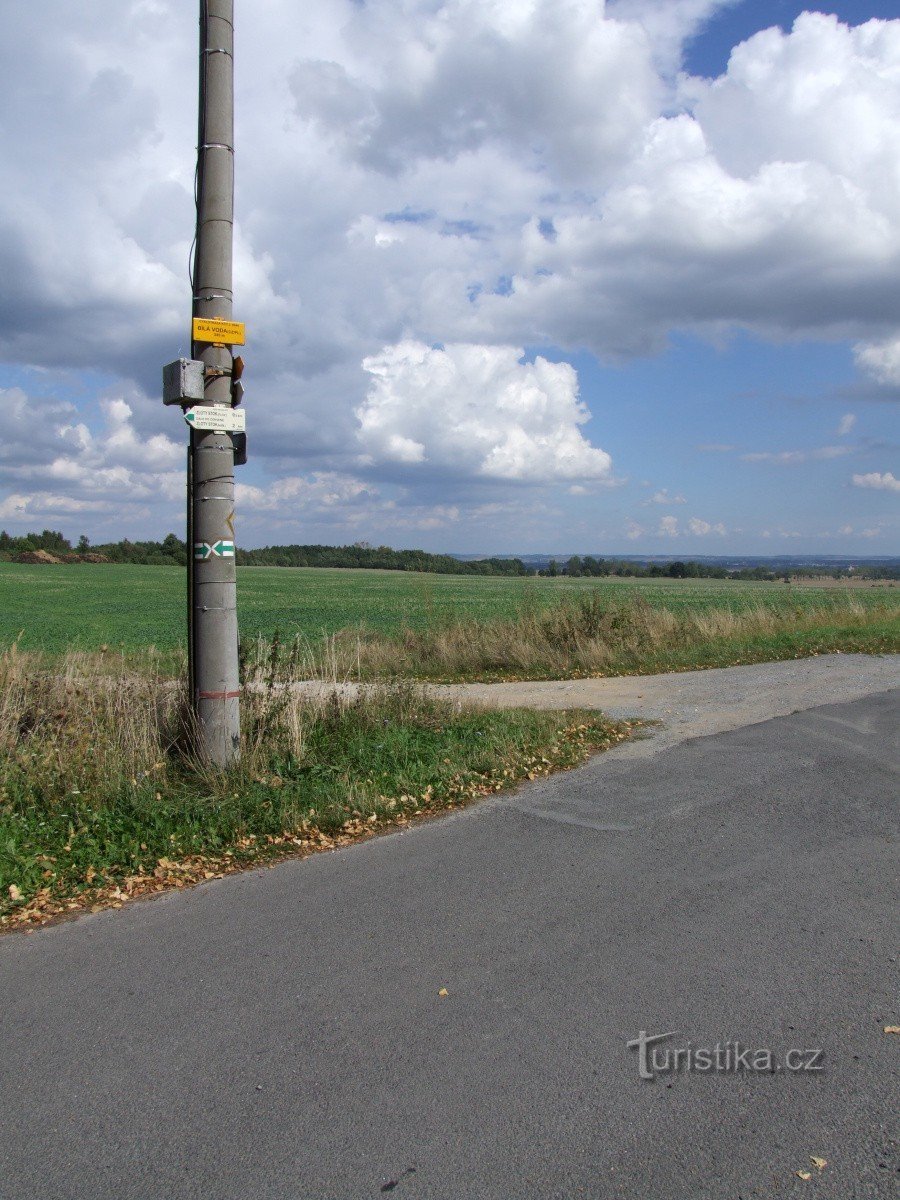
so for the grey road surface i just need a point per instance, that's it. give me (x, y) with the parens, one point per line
(283, 1033)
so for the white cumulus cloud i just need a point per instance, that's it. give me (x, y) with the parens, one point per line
(701, 528)
(668, 527)
(880, 360)
(322, 491)
(769, 181)
(663, 497)
(477, 410)
(882, 481)
(56, 466)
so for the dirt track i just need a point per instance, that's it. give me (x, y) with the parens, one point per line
(688, 703)
(695, 703)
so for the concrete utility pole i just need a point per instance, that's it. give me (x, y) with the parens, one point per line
(213, 632)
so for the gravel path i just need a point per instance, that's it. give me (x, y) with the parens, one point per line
(696, 703)
(688, 704)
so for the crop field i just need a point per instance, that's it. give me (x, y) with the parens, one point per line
(54, 608)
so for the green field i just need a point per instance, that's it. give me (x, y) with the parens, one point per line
(85, 606)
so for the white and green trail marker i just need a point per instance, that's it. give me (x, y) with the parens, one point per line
(220, 549)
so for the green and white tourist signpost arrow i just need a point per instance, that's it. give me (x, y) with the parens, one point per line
(218, 418)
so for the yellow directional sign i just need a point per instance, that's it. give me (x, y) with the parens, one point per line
(213, 329)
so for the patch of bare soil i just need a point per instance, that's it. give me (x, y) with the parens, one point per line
(37, 558)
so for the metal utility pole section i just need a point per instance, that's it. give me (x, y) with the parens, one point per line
(207, 388)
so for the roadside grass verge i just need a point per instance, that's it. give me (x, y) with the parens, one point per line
(591, 635)
(101, 802)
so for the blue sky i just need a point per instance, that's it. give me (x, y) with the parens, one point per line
(708, 52)
(695, 411)
(517, 276)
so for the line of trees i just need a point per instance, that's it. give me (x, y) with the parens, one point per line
(172, 551)
(577, 567)
(50, 540)
(361, 554)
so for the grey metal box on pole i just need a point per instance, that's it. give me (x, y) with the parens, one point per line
(183, 381)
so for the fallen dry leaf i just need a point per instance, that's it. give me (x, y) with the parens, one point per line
(443, 992)
(14, 892)
(892, 1029)
(804, 1174)
(819, 1163)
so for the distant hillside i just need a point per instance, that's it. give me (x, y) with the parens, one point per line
(741, 566)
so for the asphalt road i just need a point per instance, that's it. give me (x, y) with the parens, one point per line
(282, 1033)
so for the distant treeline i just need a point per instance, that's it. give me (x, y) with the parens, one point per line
(361, 554)
(172, 551)
(577, 567)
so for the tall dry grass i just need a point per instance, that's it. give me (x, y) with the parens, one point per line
(79, 724)
(274, 713)
(89, 722)
(589, 634)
